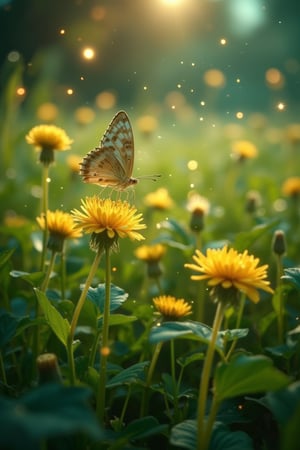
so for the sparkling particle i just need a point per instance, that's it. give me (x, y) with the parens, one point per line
(70, 91)
(88, 53)
(239, 115)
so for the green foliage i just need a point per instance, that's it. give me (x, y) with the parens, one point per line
(247, 374)
(49, 411)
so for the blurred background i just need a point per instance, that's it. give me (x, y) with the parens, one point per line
(230, 57)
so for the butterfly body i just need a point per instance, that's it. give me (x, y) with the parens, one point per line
(111, 164)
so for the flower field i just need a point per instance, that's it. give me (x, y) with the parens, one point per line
(149, 274)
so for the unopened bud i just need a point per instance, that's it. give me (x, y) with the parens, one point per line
(279, 244)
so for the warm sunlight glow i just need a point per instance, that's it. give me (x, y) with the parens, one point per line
(88, 53)
(171, 2)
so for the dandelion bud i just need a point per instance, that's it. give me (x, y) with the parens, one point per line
(48, 369)
(197, 220)
(279, 244)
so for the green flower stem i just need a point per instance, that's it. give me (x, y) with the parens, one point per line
(203, 436)
(76, 315)
(145, 398)
(48, 273)
(105, 336)
(280, 313)
(173, 374)
(63, 274)
(44, 285)
(210, 421)
(45, 195)
(237, 325)
(2, 370)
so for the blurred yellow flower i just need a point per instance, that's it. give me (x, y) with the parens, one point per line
(47, 112)
(291, 187)
(293, 133)
(159, 199)
(244, 150)
(73, 163)
(84, 115)
(226, 268)
(197, 203)
(150, 253)
(108, 220)
(48, 137)
(172, 308)
(147, 124)
(61, 226)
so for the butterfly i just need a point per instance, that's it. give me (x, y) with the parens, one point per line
(111, 163)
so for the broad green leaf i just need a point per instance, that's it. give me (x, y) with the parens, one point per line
(192, 330)
(185, 361)
(139, 429)
(224, 439)
(293, 276)
(246, 239)
(34, 279)
(290, 433)
(282, 403)
(231, 335)
(132, 374)
(188, 329)
(175, 227)
(97, 295)
(184, 435)
(245, 375)
(51, 410)
(59, 325)
(119, 319)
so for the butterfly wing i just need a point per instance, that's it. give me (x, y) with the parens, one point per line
(111, 164)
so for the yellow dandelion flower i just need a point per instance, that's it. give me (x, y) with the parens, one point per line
(244, 150)
(150, 253)
(159, 199)
(291, 187)
(293, 133)
(226, 268)
(48, 138)
(61, 226)
(147, 125)
(108, 220)
(172, 308)
(73, 163)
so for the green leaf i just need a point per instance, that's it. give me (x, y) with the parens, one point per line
(59, 325)
(184, 435)
(139, 429)
(5, 257)
(224, 439)
(246, 239)
(33, 279)
(8, 327)
(231, 335)
(245, 375)
(185, 361)
(188, 329)
(49, 411)
(283, 403)
(120, 319)
(97, 295)
(293, 276)
(132, 374)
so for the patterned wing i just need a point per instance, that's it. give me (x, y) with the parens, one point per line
(111, 164)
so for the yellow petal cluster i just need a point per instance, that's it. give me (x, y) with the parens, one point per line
(228, 268)
(172, 308)
(48, 137)
(159, 199)
(60, 224)
(150, 253)
(117, 218)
